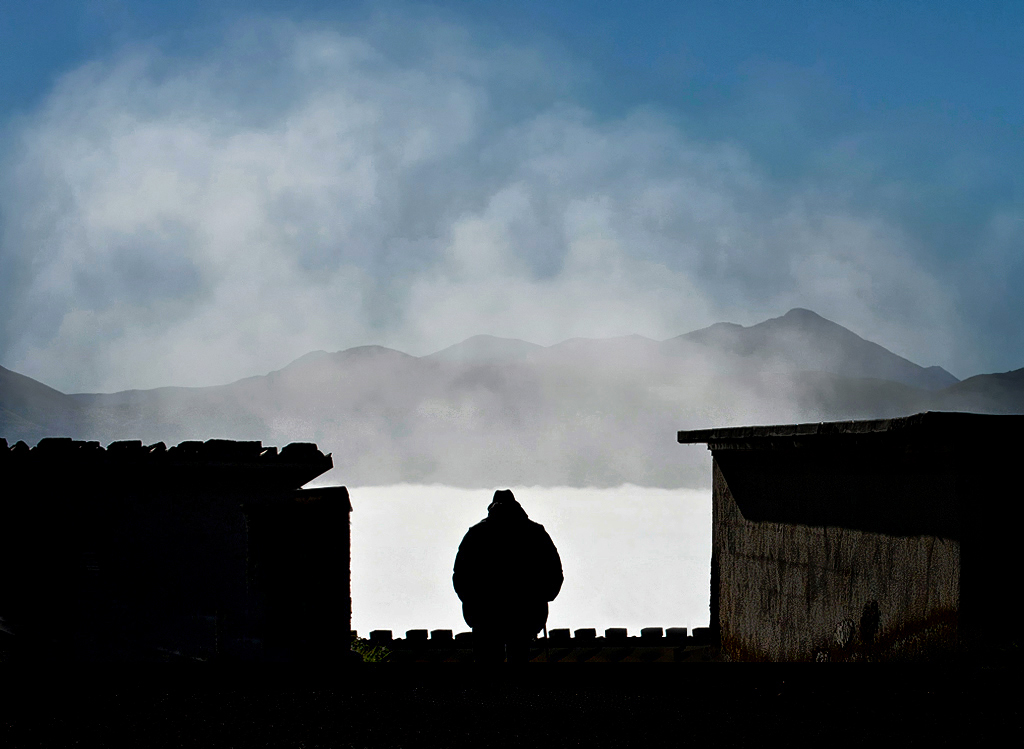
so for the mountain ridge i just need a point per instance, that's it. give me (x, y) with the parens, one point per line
(835, 349)
(583, 412)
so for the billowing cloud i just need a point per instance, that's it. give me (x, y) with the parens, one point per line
(194, 221)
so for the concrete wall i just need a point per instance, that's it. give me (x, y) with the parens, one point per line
(300, 575)
(872, 571)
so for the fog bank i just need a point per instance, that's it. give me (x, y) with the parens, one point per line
(632, 557)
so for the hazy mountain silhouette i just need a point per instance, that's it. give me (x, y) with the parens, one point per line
(489, 411)
(487, 348)
(802, 340)
(1002, 392)
(30, 410)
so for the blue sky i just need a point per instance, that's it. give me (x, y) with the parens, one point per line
(198, 191)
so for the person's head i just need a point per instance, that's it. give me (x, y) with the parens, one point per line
(503, 496)
(504, 505)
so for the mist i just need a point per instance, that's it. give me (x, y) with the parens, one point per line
(490, 411)
(192, 221)
(632, 557)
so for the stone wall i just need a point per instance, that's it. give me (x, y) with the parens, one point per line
(300, 568)
(791, 591)
(654, 645)
(894, 539)
(200, 551)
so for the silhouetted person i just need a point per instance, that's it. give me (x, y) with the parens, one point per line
(506, 572)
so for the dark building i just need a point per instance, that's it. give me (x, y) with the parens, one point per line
(891, 540)
(205, 550)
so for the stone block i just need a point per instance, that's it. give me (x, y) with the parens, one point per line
(54, 446)
(187, 450)
(675, 634)
(300, 452)
(231, 451)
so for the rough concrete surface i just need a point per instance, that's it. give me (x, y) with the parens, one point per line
(799, 592)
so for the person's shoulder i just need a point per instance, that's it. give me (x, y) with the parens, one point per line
(477, 528)
(536, 527)
(474, 538)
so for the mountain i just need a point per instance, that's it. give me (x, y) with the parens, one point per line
(988, 393)
(802, 340)
(31, 410)
(495, 411)
(487, 348)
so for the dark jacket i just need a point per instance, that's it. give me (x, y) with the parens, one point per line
(506, 572)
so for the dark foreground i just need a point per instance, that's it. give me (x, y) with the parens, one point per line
(592, 705)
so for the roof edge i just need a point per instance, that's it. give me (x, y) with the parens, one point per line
(952, 423)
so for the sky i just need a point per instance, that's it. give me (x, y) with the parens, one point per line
(195, 192)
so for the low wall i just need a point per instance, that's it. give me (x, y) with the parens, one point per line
(654, 645)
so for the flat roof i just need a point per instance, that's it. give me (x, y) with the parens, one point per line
(944, 426)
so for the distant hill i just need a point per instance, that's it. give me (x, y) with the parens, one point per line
(31, 410)
(802, 340)
(988, 393)
(494, 411)
(487, 348)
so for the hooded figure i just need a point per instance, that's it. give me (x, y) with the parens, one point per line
(506, 572)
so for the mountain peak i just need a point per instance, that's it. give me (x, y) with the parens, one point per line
(802, 316)
(803, 340)
(806, 319)
(799, 313)
(486, 348)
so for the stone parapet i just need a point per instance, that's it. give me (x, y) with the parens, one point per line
(653, 645)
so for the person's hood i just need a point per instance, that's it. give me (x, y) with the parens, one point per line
(505, 507)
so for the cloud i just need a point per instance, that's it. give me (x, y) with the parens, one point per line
(194, 221)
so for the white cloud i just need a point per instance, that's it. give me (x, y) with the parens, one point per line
(193, 222)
